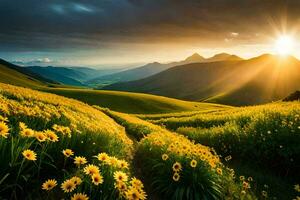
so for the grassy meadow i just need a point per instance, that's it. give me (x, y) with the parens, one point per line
(150, 100)
(133, 103)
(56, 147)
(47, 137)
(119, 101)
(258, 141)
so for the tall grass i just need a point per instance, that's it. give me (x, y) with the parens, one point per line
(201, 174)
(47, 125)
(266, 135)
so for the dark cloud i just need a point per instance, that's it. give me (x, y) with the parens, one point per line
(69, 24)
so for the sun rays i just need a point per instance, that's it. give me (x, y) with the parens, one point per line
(284, 45)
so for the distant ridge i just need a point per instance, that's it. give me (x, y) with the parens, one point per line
(235, 81)
(76, 76)
(153, 68)
(59, 74)
(222, 57)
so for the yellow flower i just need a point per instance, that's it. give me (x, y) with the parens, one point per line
(176, 176)
(134, 194)
(120, 176)
(68, 152)
(22, 126)
(97, 179)
(193, 163)
(123, 164)
(27, 132)
(250, 178)
(4, 130)
(79, 160)
(121, 186)
(68, 186)
(91, 170)
(219, 171)
(79, 196)
(40, 136)
(4, 119)
(136, 183)
(243, 192)
(102, 157)
(297, 187)
(29, 155)
(62, 129)
(113, 161)
(49, 184)
(66, 131)
(51, 136)
(76, 180)
(177, 167)
(165, 157)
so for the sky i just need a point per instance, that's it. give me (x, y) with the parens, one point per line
(128, 32)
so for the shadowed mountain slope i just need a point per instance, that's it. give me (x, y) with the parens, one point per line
(154, 68)
(236, 82)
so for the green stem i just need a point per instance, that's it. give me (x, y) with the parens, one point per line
(40, 161)
(12, 151)
(19, 172)
(65, 161)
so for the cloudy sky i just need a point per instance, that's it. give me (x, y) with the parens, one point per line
(117, 32)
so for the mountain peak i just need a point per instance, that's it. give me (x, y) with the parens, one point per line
(194, 58)
(221, 54)
(224, 56)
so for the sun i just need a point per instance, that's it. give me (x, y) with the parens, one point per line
(284, 45)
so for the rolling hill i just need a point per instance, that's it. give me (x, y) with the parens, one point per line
(118, 101)
(134, 103)
(15, 75)
(154, 68)
(235, 82)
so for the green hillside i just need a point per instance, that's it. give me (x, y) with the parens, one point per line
(14, 77)
(132, 102)
(118, 101)
(237, 82)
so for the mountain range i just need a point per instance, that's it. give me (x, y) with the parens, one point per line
(154, 68)
(76, 76)
(235, 82)
(119, 101)
(223, 78)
